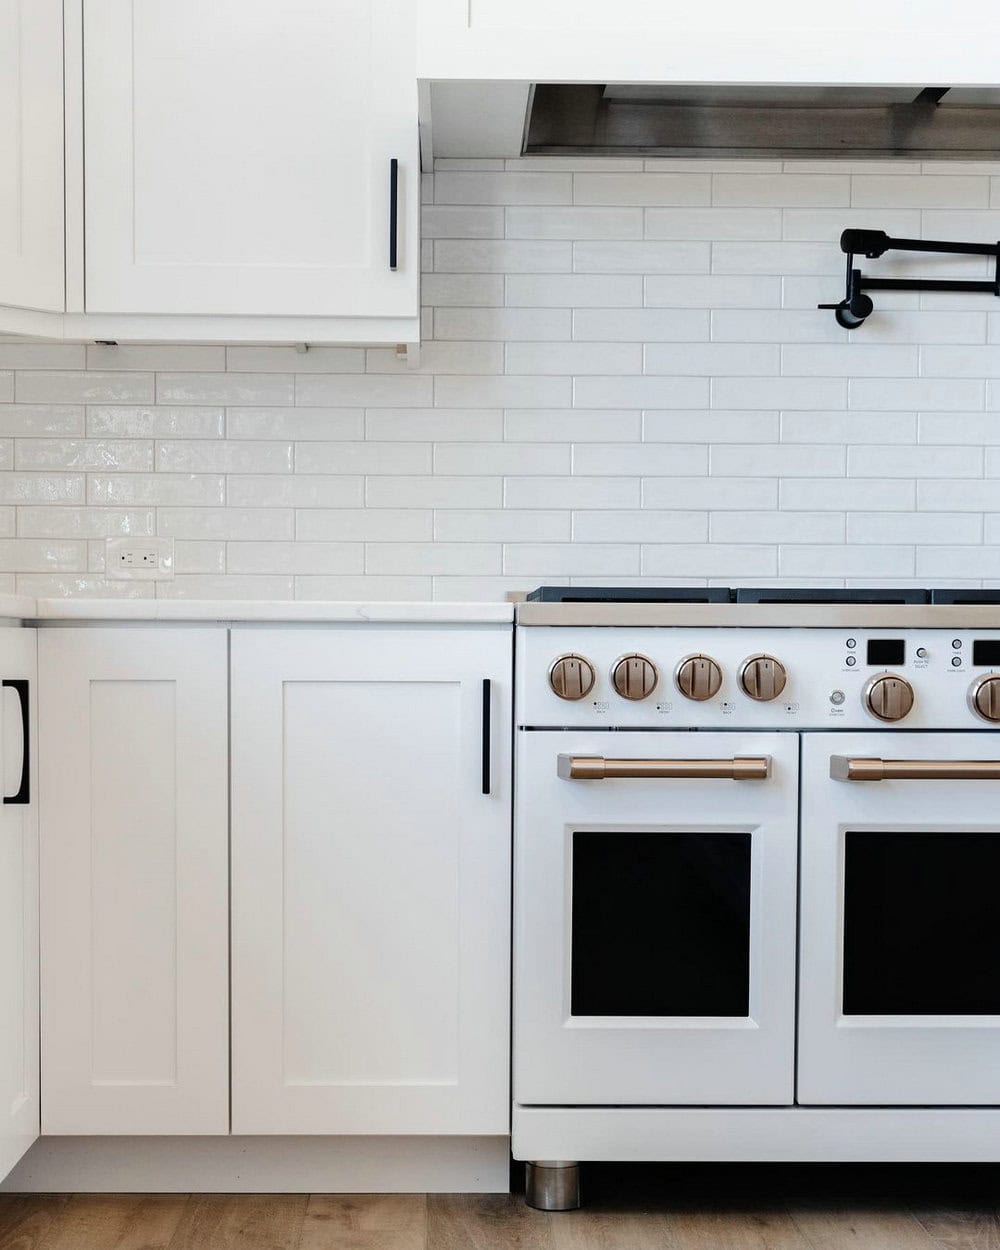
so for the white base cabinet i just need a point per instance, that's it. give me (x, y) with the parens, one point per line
(134, 771)
(18, 898)
(371, 869)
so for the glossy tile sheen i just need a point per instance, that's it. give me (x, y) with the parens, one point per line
(624, 374)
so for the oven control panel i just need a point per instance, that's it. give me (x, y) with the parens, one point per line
(674, 677)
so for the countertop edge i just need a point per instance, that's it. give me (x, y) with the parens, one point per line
(249, 611)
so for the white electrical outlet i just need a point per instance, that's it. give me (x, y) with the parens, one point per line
(139, 559)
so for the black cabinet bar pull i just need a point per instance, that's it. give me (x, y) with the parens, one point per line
(20, 684)
(393, 211)
(487, 725)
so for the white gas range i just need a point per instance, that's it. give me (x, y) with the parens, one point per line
(757, 875)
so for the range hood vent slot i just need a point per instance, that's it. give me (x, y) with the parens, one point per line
(860, 123)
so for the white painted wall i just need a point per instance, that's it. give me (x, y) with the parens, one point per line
(624, 376)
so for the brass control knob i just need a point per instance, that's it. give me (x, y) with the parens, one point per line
(763, 677)
(698, 677)
(984, 696)
(888, 696)
(634, 677)
(572, 677)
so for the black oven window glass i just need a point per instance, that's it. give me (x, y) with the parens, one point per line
(661, 924)
(921, 924)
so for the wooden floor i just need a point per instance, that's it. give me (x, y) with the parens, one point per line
(638, 1208)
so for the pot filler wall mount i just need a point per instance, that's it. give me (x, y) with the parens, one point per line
(856, 306)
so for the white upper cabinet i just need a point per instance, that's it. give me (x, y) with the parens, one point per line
(135, 900)
(18, 898)
(237, 157)
(371, 880)
(31, 154)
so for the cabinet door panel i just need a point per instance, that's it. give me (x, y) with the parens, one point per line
(134, 884)
(370, 882)
(31, 154)
(238, 156)
(18, 907)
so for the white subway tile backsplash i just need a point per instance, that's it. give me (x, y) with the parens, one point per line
(490, 459)
(709, 493)
(712, 291)
(635, 325)
(85, 454)
(149, 422)
(640, 392)
(574, 291)
(624, 377)
(199, 456)
(921, 191)
(574, 358)
(712, 224)
(545, 325)
(914, 462)
(652, 189)
(576, 425)
(79, 387)
(791, 190)
(799, 393)
(711, 359)
(41, 419)
(641, 257)
(640, 459)
(502, 256)
(783, 460)
(574, 223)
(361, 458)
(512, 187)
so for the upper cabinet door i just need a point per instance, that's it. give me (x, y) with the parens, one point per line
(18, 899)
(238, 157)
(31, 154)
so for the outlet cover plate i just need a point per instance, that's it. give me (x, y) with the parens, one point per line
(136, 559)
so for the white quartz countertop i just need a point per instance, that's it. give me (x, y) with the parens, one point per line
(251, 610)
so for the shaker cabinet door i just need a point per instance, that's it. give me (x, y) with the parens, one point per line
(238, 157)
(18, 898)
(31, 155)
(371, 880)
(133, 753)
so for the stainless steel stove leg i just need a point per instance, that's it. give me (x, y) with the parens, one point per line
(553, 1185)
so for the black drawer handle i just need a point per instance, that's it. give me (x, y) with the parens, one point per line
(393, 212)
(487, 727)
(23, 795)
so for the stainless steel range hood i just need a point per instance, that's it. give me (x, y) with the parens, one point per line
(863, 123)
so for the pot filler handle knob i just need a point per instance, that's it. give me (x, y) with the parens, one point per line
(572, 677)
(698, 677)
(888, 696)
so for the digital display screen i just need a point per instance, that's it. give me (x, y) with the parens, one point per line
(886, 651)
(986, 651)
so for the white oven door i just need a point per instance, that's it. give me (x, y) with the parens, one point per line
(655, 918)
(899, 977)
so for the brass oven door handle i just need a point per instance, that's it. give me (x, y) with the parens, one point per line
(846, 768)
(597, 768)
